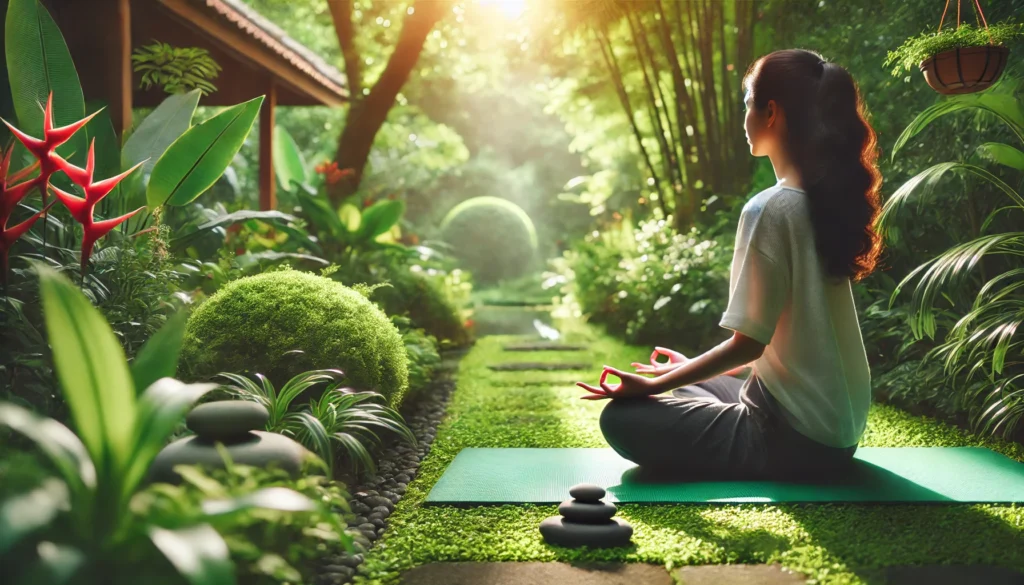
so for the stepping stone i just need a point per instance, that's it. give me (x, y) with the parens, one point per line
(535, 573)
(529, 366)
(544, 346)
(942, 575)
(738, 575)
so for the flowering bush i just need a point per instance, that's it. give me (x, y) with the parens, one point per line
(651, 284)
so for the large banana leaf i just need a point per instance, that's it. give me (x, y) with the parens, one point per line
(108, 152)
(159, 130)
(289, 165)
(39, 64)
(1004, 107)
(92, 370)
(198, 157)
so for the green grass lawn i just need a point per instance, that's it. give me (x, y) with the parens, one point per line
(827, 543)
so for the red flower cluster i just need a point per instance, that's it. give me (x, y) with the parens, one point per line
(331, 172)
(45, 150)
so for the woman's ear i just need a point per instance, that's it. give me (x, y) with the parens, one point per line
(772, 112)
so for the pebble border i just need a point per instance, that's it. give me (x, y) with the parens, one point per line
(373, 501)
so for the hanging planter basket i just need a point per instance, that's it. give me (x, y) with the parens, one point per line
(967, 59)
(965, 69)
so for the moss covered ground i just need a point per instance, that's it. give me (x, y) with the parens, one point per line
(827, 543)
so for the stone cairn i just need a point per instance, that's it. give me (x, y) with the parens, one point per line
(232, 423)
(586, 521)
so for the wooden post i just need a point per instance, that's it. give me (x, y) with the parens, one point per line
(121, 97)
(268, 197)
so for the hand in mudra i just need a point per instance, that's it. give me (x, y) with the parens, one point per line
(675, 359)
(631, 386)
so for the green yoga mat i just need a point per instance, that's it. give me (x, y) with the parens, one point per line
(902, 474)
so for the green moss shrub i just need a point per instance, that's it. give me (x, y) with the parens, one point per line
(255, 324)
(493, 237)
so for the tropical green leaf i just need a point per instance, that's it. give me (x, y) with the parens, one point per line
(1003, 154)
(198, 553)
(192, 164)
(274, 498)
(184, 241)
(289, 165)
(29, 512)
(38, 65)
(63, 448)
(380, 217)
(158, 358)
(92, 371)
(159, 130)
(350, 216)
(322, 214)
(1005, 107)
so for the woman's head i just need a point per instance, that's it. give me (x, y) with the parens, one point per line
(808, 110)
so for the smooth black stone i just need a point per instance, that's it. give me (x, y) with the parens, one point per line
(226, 419)
(375, 501)
(382, 510)
(586, 512)
(258, 449)
(587, 492)
(557, 530)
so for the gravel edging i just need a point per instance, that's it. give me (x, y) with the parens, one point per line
(374, 500)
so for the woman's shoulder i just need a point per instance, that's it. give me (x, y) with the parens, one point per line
(775, 200)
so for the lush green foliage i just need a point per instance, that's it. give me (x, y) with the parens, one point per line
(498, 410)
(268, 547)
(421, 347)
(252, 323)
(175, 69)
(339, 418)
(493, 237)
(651, 284)
(983, 343)
(916, 49)
(82, 527)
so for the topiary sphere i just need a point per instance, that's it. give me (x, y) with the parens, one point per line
(251, 323)
(493, 237)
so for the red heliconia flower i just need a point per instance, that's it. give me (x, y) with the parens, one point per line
(45, 149)
(9, 199)
(82, 208)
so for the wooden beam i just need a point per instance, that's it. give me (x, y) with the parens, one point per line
(249, 49)
(121, 107)
(268, 196)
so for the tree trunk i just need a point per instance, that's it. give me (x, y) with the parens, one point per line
(341, 14)
(366, 116)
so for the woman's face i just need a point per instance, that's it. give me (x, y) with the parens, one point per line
(759, 126)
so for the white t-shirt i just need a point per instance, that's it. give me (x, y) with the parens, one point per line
(814, 364)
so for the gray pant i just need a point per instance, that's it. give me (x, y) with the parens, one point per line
(723, 428)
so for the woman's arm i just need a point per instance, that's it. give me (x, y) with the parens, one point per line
(728, 356)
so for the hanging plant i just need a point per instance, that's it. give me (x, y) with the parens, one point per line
(967, 59)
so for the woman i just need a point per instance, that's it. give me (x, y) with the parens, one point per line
(799, 245)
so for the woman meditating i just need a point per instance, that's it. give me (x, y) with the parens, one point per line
(799, 244)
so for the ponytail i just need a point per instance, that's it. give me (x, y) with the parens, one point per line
(834, 148)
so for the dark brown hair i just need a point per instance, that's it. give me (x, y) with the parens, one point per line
(835, 149)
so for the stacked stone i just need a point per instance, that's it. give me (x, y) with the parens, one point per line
(586, 520)
(232, 423)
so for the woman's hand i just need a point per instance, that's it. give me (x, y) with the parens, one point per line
(675, 359)
(631, 386)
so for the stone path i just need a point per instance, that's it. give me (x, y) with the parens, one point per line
(595, 574)
(544, 346)
(535, 366)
